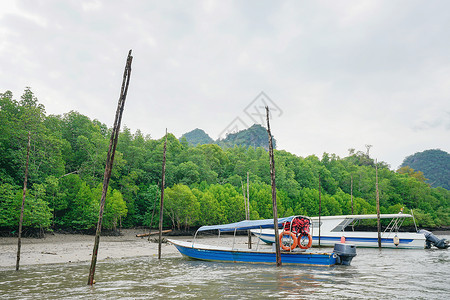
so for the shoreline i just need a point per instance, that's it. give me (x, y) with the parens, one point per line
(74, 248)
(59, 248)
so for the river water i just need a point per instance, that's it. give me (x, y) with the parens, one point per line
(374, 274)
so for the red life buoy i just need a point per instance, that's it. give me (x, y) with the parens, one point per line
(294, 238)
(300, 245)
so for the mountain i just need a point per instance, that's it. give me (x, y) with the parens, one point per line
(255, 136)
(197, 136)
(435, 165)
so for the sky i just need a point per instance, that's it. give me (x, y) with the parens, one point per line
(336, 75)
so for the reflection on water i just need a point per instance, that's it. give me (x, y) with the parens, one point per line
(388, 274)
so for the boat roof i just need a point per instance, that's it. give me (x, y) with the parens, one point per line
(364, 217)
(248, 224)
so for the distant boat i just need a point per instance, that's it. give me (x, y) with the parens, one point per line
(342, 254)
(333, 230)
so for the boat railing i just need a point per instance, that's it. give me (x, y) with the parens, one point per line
(353, 224)
(394, 225)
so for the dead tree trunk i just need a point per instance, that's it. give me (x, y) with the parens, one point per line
(274, 192)
(19, 241)
(161, 207)
(110, 161)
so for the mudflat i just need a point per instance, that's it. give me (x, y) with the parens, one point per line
(66, 248)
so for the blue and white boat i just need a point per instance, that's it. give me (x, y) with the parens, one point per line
(341, 228)
(342, 254)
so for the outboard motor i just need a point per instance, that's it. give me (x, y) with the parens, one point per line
(345, 253)
(434, 240)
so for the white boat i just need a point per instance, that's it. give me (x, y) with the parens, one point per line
(334, 229)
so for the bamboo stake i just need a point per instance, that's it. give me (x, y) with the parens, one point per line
(378, 205)
(163, 176)
(248, 212)
(19, 241)
(274, 192)
(110, 161)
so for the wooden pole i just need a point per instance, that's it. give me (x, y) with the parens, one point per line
(110, 161)
(161, 206)
(378, 205)
(153, 214)
(351, 191)
(248, 212)
(274, 192)
(245, 200)
(19, 241)
(320, 207)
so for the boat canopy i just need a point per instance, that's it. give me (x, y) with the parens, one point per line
(248, 224)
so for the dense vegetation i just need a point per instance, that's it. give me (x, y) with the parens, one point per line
(204, 183)
(434, 164)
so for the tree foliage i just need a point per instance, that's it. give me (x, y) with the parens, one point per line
(205, 183)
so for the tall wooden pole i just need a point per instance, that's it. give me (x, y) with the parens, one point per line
(351, 191)
(248, 212)
(274, 192)
(19, 241)
(378, 205)
(245, 199)
(110, 161)
(161, 206)
(320, 207)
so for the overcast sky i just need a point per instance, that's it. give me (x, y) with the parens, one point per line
(336, 74)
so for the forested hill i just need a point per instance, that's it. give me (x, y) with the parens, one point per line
(255, 136)
(204, 184)
(434, 164)
(197, 137)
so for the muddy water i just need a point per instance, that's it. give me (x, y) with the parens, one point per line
(385, 274)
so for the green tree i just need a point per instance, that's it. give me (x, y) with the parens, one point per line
(181, 206)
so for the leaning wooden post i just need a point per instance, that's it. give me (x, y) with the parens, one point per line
(161, 206)
(19, 241)
(248, 212)
(110, 161)
(274, 192)
(378, 205)
(320, 207)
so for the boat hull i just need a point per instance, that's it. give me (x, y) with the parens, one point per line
(206, 252)
(407, 240)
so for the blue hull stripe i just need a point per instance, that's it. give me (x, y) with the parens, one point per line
(268, 238)
(353, 239)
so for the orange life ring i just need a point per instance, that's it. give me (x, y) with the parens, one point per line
(309, 242)
(294, 238)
